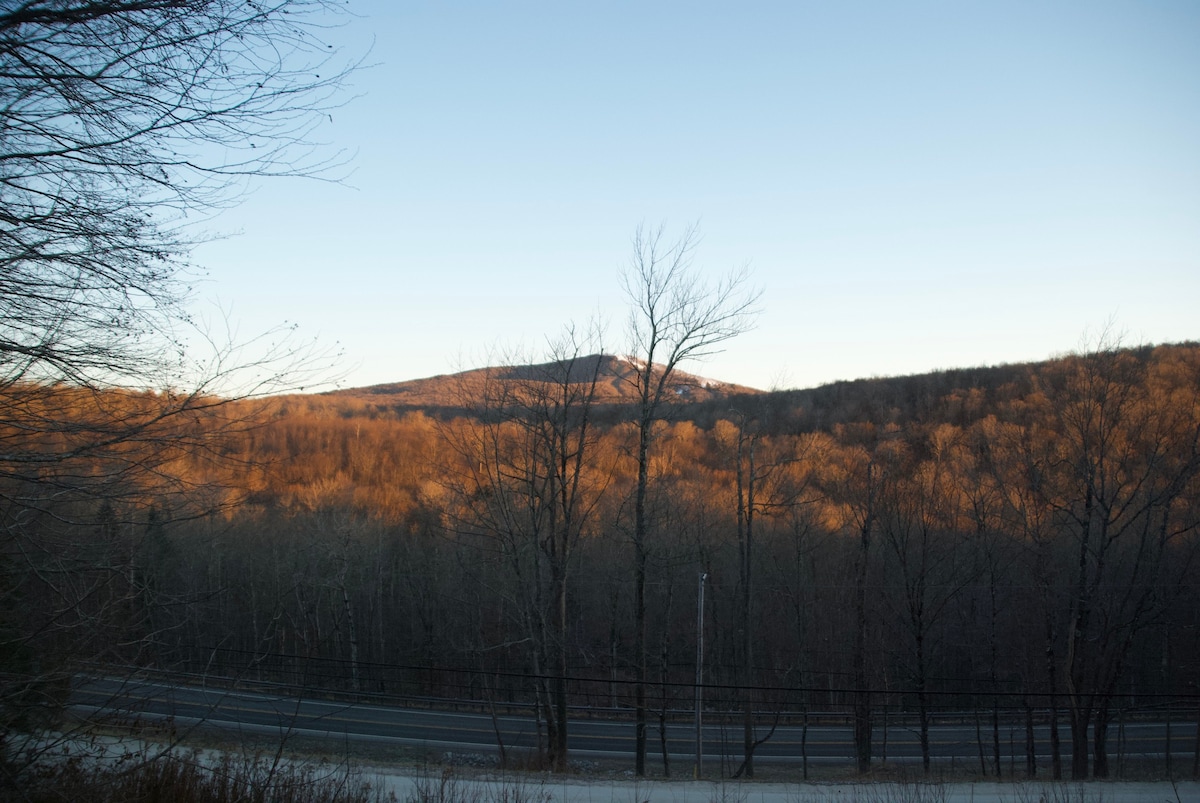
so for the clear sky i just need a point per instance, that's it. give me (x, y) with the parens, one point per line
(914, 185)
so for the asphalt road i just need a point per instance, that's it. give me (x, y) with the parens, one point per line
(271, 715)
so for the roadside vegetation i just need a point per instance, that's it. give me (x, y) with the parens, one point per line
(174, 777)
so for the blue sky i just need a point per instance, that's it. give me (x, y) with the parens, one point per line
(914, 185)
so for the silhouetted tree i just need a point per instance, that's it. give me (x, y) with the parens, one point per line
(675, 316)
(1126, 447)
(120, 122)
(529, 485)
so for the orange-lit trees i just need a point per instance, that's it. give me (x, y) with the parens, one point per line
(855, 479)
(797, 550)
(1096, 472)
(1125, 433)
(1018, 456)
(920, 520)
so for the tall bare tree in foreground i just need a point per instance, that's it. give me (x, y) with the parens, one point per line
(676, 315)
(120, 123)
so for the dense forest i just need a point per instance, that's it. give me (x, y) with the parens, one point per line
(1010, 541)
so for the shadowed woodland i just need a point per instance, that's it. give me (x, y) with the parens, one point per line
(1010, 544)
(1016, 541)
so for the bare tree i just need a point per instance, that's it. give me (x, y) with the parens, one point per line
(529, 485)
(122, 122)
(857, 478)
(675, 316)
(1127, 438)
(919, 521)
(766, 483)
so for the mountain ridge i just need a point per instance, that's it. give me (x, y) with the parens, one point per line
(615, 383)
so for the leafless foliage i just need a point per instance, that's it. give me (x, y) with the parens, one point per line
(122, 124)
(528, 490)
(675, 315)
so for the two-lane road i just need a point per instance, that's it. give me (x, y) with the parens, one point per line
(275, 715)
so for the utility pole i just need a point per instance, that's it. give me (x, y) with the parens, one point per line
(699, 674)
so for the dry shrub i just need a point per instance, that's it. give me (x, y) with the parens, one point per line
(175, 778)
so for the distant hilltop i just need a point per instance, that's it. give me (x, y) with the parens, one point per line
(616, 383)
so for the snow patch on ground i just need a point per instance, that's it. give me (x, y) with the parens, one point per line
(467, 784)
(532, 788)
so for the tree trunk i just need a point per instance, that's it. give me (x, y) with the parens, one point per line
(1100, 742)
(1196, 749)
(922, 698)
(1030, 744)
(923, 714)
(352, 637)
(1080, 749)
(639, 689)
(664, 667)
(1052, 682)
(558, 750)
(639, 547)
(996, 738)
(804, 743)
(979, 743)
(745, 526)
(862, 694)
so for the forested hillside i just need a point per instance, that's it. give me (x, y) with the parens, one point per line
(994, 539)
